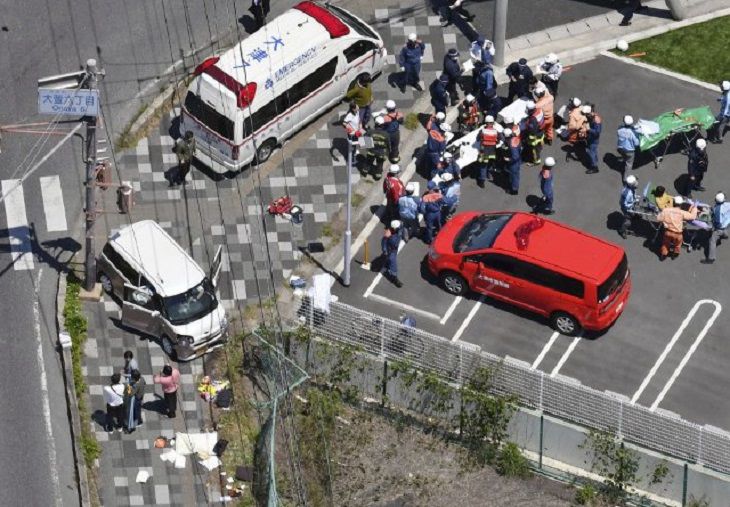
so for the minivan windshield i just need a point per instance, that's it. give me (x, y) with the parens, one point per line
(355, 23)
(480, 232)
(192, 304)
(613, 282)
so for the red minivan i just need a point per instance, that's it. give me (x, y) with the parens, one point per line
(575, 279)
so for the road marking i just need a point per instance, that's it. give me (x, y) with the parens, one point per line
(669, 347)
(21, 249)
(450, 310)
(466, 322)
(545, 350)
(53, 203)
(408, 308)
(46, 405)
(565, 356)
(692, 349)
(379, 277)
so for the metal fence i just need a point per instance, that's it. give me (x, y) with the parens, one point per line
(558, 396)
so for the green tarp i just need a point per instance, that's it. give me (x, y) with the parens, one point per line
(672, 122)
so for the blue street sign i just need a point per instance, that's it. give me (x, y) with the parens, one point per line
(68, 102)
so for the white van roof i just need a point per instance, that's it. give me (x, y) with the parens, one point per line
(159, 258)
(273, 54)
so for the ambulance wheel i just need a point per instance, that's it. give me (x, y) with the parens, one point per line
(565, 324)
(453, 283)
(265, 150)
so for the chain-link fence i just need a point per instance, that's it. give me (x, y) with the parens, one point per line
(559, 396)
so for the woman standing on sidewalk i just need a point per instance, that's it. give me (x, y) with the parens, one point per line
(169, 379)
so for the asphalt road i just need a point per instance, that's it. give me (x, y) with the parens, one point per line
(691, 378)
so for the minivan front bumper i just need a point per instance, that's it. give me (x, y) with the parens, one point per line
(187, 352)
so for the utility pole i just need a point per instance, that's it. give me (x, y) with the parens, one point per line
(348, 214)
(500, 31)
(90, 210)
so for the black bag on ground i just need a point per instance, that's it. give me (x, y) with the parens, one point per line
(220, 447)
(224, 398)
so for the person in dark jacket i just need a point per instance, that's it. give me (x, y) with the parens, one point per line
(260, 9)
(595, 126)
(431, 204)
(546, 187)
(439, 94)
(453, 70)
(389, 246)
(697, 164)
(410, 61)
(519, 79)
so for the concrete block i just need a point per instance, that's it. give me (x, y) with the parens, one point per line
(597, 22)
(538, 38)
(558, 33)
(578, 27)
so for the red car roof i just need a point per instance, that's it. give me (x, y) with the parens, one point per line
(551, 243)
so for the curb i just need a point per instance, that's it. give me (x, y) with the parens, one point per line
(82, 477)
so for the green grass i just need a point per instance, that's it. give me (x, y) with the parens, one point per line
(699, 50)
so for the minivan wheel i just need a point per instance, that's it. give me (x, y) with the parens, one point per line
(265, 150)
(106, 283)
(453, 283)
(565, 323)
(168, 347)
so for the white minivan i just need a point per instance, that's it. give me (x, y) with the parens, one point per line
(244, 103)
(164, 293)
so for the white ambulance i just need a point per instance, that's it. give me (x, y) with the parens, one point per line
(244, 103)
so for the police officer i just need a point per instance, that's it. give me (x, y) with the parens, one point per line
(410, 61)
(389, 246)
(627, 142)
(408, 207)
(720, 223)
(628, 202)
(436, 144)
(490, 103)
(451, 190)
(488, 139)
(552, 70)
(431, 203)
(595, 126)
(546, 187)
(482, 50)
(453, 70)
(519, 79)
(379, 152)
(513, 145)
(393, 189)
(723, 117)
(697, 164)
(468, 114)
(260, 9)
(534, 125)
(484, 80)
(439, 93)
(393, 120)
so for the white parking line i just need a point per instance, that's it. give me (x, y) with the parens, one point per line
(670, 345)
(466, 322)
(379, 277)
(692, 349)
(565, 356)
(450, 310)
(403, 306)
(545, 350)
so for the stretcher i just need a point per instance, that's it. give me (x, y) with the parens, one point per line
(656, 135)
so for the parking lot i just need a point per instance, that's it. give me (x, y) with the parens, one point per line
(669, 348)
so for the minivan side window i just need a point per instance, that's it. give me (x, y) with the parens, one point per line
(289, 98)
(123, 266)
(553, 280)
(501, 263)
(358, 49)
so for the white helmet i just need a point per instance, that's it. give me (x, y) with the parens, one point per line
(394, 169)
(551, 58)
(628, 120)
(725, 86)
(586, 109)
(445, 127)
(631, 180)
(701, 144)
(379, 120)
(412, 37)
(576, 102)
(530, 104)
(507, 132)
(448, 155)
(395, 224)
(446, 177)
(469, 97)
(678, 200)
(720, 198)
(508, 120)
(440, 116)
(410, 187)
(390, 105)
(489, 119)
(550, 162)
